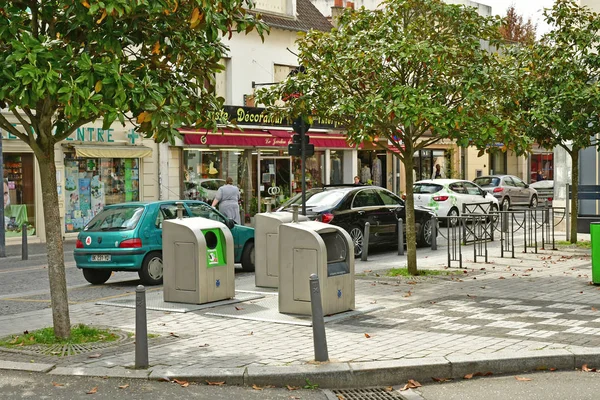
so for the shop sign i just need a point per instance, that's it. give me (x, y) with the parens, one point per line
(258, 116)
(91, 134)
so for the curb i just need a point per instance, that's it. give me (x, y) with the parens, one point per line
(341, 375)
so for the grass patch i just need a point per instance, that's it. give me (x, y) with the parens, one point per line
(422, 272)
(79, 334)
(584, 244)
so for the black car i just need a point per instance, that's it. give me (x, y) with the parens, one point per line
(350, 207)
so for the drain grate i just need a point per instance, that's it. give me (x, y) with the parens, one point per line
(367, 394)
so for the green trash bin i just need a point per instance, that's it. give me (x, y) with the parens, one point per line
(595, 238)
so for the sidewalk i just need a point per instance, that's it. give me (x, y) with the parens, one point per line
(537, 311)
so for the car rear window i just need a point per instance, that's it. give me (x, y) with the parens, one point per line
(426, 188)
(115, 219)
(317, 198)
(487, 181)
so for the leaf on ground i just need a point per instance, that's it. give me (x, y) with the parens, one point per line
(367, 336)
(389, 388)
(412, 384)
(181, 383)
(339, 397)
(552, 369)
(502, 277)
(93, 390)
(251, 333)
(256, 387)
(478, 374)
(439, 379)
(408, 294)
(239, 308)
(519, 378)
(471, 296)
(488, 374)
(585, 368)
(164, 379)
(26, 333)
(97, 355)
(204, 345)
(374, 302)
(215, 383)
(124, 386)
(468, 376)
(292, 387)
(57, 384)
(594, 309)
(411, 283)
(174, 334)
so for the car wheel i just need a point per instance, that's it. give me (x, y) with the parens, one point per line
(248, 257)
(357, 236)
(505, 205)
(425, 232)
(453, 213)
(152, 269)
(96, 276)
(534, 202)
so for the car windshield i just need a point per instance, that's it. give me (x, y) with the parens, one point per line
(484, 181)
(426, 188)
(115, 219)
(326, 198)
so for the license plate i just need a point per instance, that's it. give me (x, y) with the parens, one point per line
(101, 257)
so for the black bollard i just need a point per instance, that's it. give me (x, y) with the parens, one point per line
(434, 231)
(400, 237)
(318, 322)
(24, 251)
(141, 329)
(365, 248)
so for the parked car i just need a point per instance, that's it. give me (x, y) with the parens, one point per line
(545, 191)
(128, 237)
(509, 190)
(446, 197)
(350, 207)
(202, 189)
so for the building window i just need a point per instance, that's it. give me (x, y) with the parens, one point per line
(542, 167)
(336, 161)
(206, 171)
(92, 183)
(19, 194)
(497, 163)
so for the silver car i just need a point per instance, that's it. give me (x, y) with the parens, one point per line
(509, 190)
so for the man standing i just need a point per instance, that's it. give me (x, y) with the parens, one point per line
(438, 173)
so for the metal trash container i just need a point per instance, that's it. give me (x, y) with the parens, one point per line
(198, 261)
(595, 239)
(266, 250)
(313, 247)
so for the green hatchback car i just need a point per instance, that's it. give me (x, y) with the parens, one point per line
(128, 237)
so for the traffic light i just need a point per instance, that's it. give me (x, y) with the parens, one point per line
(295, 148)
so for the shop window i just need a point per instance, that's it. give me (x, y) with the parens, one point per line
(497, 163)
(206, 172)
(314, 171)
(92, 183)
(336, 161)
(19, 194)
(542, 167)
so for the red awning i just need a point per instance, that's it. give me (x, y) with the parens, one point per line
(260, 138)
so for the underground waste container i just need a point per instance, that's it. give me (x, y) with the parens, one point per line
(266, 250)
(198, 261)
(313, 247)
(595, 239)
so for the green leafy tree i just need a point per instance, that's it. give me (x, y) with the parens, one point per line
(413, 73)
(561, 90)
(67, 63)
(514, 30)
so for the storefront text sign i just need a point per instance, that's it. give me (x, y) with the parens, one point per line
(259, 116)
(91, 134)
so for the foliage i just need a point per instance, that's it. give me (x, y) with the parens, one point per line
(561, 94)
(584, 244)
(68, 63)
(422, 272)
(514, 30)
(310, 386)
(79, 334)
(410, 73)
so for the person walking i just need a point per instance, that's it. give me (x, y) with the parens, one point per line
(228, 198)
(438, 173)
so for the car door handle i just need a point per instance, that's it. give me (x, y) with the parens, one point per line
(360, 212)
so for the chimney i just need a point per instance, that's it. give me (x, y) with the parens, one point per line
(336, 11)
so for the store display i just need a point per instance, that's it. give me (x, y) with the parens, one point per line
(18, 204)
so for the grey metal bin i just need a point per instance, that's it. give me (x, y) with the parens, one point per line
(198, 261)
(313, 247)
(266, 242)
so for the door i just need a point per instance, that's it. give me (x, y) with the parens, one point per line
(510, 190)
(274, 179)
(521, 191)
(392, 210)
(368, 207)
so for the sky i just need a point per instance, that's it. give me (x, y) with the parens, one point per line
(526, 8)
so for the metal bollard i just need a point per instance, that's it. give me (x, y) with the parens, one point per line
(318, 323)
(24, 252)
(179, 209)
(365, 249)
(141, 329)
(434, 231)
(295, 212)
(504, 224)
(400, 237)
(268, 204)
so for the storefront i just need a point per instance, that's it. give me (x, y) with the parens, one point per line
(541, 165)
(94, 168)
(256, 157)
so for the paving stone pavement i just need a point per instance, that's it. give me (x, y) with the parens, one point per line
(507, 315)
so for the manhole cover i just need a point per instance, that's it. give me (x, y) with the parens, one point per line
(367, 394)
(64, 350)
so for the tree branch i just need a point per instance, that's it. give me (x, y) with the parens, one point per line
(12, 129)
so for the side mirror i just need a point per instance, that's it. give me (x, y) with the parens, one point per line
(483, 193)
(526, 185)
(230, 223)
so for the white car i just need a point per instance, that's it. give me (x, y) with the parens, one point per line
(446, 197)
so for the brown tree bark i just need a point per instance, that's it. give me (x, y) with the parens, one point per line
(54, 243)
(575, 196)
(411, 234)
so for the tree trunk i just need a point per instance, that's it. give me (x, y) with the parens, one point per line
(54, 244)
(411, 235)
(575, 196)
